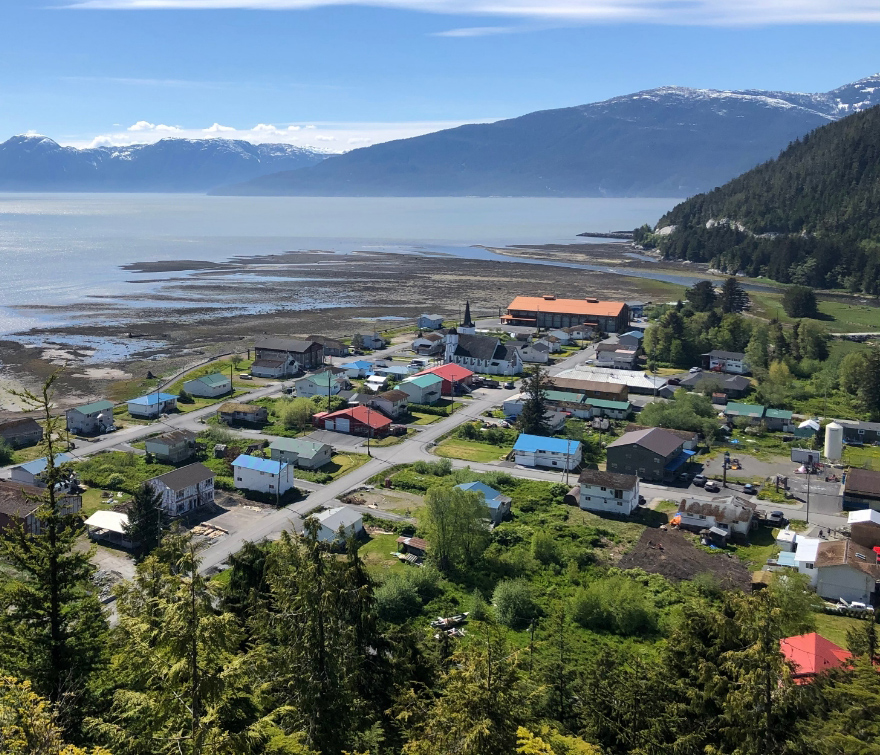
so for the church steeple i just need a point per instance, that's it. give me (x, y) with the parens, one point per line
(467, 325)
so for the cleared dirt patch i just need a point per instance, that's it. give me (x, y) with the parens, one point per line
(671, 554)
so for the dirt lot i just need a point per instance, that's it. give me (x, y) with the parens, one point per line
(671, 554)
(395, 501)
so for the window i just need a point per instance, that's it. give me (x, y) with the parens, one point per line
(618, 494)
(809, 566)
(604, 488)
(620, 503)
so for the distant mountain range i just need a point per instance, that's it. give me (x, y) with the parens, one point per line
(36, 163)
(670, 141)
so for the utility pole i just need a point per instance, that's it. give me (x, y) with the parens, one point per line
(369, 431)
(278, 486)
(809, 468)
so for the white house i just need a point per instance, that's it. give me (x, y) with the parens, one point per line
(302, 453)
(376, 383)
(185, 489)
(729, 513)
(209, 386)
(373, 341)
(484, 354)
(731, 362)
(357, 369)
(391, 403)
(422, 389)
(562, 334)
(498, 504)
(428, 344)
(610, 492)
(331, 520)
(152, 405)
(534, 353)
(91, 419)
(537, 451)
(430, 322)
(31, 473)
(262, 475)
(615, 356)
(320, 384)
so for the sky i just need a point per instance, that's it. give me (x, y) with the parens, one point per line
(336, 75)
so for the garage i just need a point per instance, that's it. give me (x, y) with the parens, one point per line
(343, 425)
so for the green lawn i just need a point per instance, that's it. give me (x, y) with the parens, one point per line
(418, 418)
(222, 366)
(93, 501)
(838, 316)
(201, 403)
(340, 464)
(834, 628)
(376, 553)
(392, 440)
(867, 457)
(471, 450)
(24, 455)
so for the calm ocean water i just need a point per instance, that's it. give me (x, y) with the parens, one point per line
(67, 248)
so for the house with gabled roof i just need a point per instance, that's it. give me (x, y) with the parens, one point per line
(430, 322)
(733, 362)
(555, 453)
(184, 490)
(31, 473)
(497, 503)
(333, 347)
(22, 431)
(609, 492)
(730, 513)
(321, 384)
(284, 357)
(428, 344)
(301, 452)
(234, 412)
(810, 655)
(453, 375)
(209, 386)
(173, 447)
(19, 503)
(485, 354)
(266, 476)
(391, 403)
(846, 570)
(152, 405)
(91, 419)
(422, 389)
(338, 523)
(652, 454)
(356, 420)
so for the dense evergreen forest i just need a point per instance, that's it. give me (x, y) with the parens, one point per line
(811, 216)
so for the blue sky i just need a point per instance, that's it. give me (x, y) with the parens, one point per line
(338, 75)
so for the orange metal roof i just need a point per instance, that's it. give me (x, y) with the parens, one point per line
(363, 414)
(812, 654)
(451, 372)
(567, 306)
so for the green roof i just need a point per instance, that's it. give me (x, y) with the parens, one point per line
(745, 410)
(574, 398)
(321, 378)
(778, 413)
(424, 381)
(305, 448)
(602, 403)
(214, 379)
(97, 406)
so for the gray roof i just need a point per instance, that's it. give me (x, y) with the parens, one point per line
(656, 439)
(340, 516)
(15, 501)
(291, 345)
(307, 449)
(174, 437)
(728, 382)
(727, 510)
(718, 354)
(484, 348)
(332, 343)
(859, 424)
(614, 480)
(191, 474)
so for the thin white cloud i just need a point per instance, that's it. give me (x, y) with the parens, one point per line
(329, 136)
(480, 31)
(687, 12)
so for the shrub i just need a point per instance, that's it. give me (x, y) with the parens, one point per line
(439, 411)
(115, 481)
(480, 610)
(514, 604)
(184, 398)
(296, 414)
(6, 453)
(441, 468)
(544, 547)
(397, 599)
(616, 604)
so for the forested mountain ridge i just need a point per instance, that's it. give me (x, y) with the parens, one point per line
(811, 216)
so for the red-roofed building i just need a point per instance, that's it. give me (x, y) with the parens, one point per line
(359, 420)
(811, 654)
(452, 374)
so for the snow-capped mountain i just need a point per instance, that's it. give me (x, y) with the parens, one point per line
(670, 141)
(37, 163)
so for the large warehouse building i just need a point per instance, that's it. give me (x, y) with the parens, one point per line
(549, 312)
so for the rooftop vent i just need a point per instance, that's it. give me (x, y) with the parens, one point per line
(548, 297)
(591, 300)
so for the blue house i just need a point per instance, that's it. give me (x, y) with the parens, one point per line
(538, 451)
(499, 505)
(358, 369)
(31, 473)
(152, 405)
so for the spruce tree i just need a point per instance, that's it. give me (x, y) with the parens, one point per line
(145, 520)
(733, 297)
(535, 385)
(52, 628)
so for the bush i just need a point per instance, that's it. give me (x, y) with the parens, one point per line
(296, 414)
(441, 468)
(480, 610)
(184, 398)
(6, 453)
(514, 604)
(116, 481)
(800, 301)
(616, 604)
(397, 599)
(544, 548)
(218, 435)
(439, 411)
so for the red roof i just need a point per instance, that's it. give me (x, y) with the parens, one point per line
(362, 414)
(812, 654)
(454, 373)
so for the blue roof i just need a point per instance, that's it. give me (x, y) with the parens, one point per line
(358, 365)
(532, 443)
(151, 399)
(258, 464)
(635, 334)
(36, 466)
(480, 487)
(679, 461)
(786, 558)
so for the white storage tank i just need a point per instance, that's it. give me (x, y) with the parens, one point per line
(833, 441)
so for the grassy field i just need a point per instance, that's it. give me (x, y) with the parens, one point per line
(340, 464)
(866, 457)
(418, 418)
(471, 450)
(29, 453)
(834, 628)
(376, 553)
(93, 501)
(222, 366)
(838, 316)
(392, 440)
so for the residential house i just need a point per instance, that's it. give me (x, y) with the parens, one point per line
(731, 513)
(485, 354)
(332, 346)
(173, 447)
(859, 433)
(21, 432)
(430, 322)
(616, 356)
(635, 380)
(609, 492)
(631, 340)
(779, 419)
(90, 419)
(549, 312)
(733, 386)
(861, 489)
(18, 505)
(358, 420)
(733, 362)
(810, 655)
(846, 570)
(392, 403)
(358, 369)
(591, 388)
(395, 371)
(580, 332)
(636, 308)
(864, 527)
(321, 384)
(301, 452)
(429, 344)
(538, 451)
(285, 357)
(109, 526)
(260, 475)
(377, 383)
(422, 389)
(809, 428)
(209, 386)
(152, 405)
(373, 341)
(233, 413)
(597, 407)
(655, 455)
(575, 404)
(562, 335)
(553, 343)
(454, 376)
(534, 353)
(31, 473)
(338, 524)
(498, 504)
(753, 412)
(690, 438)
(184, 490)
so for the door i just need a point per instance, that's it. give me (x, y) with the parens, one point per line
(343, 425)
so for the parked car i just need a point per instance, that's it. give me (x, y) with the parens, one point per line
(776, 517)
(699, 480)
(712, 487)
(491, 384)
(750, 489)
(510, 385)
(694, 370)
(244, 376)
